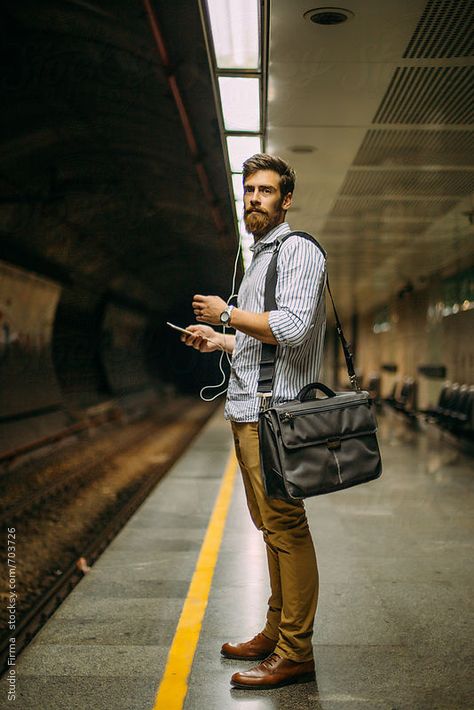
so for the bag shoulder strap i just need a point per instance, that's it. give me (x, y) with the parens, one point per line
(268, 354)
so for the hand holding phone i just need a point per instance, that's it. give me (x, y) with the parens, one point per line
(213, 345)
(181, 330)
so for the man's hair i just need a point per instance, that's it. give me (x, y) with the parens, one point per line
(263, 161)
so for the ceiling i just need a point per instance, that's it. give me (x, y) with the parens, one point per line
(98, 186)
(385, 103)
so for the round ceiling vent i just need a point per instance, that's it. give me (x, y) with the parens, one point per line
(328, 15)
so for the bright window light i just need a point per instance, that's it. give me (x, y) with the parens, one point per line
(240, 148)
(240, 98)
(239, 209)
(237, 185)
(235, 32)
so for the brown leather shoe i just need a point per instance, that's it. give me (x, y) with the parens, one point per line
(254, 650)
(274, 672)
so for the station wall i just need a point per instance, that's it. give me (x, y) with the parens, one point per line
(416, 333)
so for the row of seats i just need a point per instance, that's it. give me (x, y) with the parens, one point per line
(455, 409)
(403, 397)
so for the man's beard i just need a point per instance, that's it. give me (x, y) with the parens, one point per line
(259, 223)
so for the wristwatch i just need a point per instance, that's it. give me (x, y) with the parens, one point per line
(226, 315)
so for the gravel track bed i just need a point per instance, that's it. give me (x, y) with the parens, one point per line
(55, 533)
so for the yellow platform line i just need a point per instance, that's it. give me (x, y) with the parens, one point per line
(174, 684)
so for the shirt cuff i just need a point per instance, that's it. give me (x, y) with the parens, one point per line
(281, 326)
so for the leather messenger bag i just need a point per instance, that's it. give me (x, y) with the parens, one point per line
(313, 446)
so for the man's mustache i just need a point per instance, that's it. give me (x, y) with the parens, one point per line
(253, 209)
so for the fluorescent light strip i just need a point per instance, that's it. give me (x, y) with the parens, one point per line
(235, 32)
(240, 148)
(240, 99)
(237, 185)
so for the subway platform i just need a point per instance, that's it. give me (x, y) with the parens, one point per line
(393, 628)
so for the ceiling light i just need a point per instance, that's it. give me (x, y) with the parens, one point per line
(237, 185)
(328, 15)
(240, 99)
(239, 208)
(235, 32)
(240, 148)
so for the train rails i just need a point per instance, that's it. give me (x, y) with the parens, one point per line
(65, 525)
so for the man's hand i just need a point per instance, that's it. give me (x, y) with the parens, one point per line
(205, 338)
(208, 309)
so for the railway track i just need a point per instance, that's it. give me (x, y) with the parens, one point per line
(75, 478)
(95, 542)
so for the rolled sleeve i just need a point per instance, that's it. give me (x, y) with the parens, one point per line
(301, 277)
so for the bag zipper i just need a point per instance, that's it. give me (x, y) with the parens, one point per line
(291, 415)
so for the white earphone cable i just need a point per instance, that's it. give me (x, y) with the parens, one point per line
(224, 352)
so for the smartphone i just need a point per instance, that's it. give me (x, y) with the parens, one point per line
(181, 330)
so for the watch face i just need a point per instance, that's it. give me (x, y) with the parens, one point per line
(225, 316)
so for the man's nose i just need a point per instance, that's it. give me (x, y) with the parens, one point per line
(255, 199)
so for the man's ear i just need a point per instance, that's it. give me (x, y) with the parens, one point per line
(286, 202)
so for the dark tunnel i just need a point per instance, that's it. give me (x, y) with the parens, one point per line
(105, 225)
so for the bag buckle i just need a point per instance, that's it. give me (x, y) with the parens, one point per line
(355, 383)
(264, 397)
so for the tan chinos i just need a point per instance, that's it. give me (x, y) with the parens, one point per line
(292, 565)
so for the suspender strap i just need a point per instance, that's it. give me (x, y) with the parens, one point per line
(268, 356)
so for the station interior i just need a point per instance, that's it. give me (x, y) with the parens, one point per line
(124, 129)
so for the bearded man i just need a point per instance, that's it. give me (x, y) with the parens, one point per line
(297, 327)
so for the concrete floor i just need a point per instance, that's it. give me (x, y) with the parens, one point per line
(394, 623)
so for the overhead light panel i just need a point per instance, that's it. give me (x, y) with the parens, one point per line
(240, 148)
(240, 98)
(239, 208)
(235, 33)
(237, 185)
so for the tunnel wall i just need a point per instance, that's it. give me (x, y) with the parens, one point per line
(30, 393)
(75, 347)
(122, 349)
(27, 378)
(63, 350)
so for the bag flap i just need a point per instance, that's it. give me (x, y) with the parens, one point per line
(320, 425)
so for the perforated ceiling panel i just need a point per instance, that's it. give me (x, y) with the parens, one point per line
(416, 147)
(387, 103)
(410, 182)
(370, 208)
(362, 226)
(445, 29)
(429, 95)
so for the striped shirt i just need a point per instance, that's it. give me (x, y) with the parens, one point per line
(299, 323)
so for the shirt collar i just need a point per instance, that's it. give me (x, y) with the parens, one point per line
(271, 236)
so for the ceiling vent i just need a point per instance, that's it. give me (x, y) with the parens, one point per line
(373, 208)
(455, 183)
(416, 146)
(302, 149)
(328, 15)
(428, 95)
(444, 30)
(358, 226)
